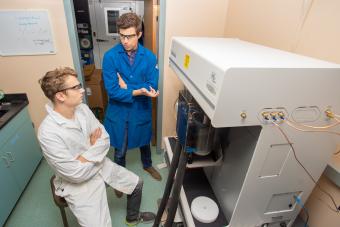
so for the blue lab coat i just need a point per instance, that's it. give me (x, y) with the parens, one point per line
(123, 108)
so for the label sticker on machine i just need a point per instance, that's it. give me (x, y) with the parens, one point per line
(186, 61)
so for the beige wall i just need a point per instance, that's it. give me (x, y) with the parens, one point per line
(307, 27)
(20, 74)
(187, 18)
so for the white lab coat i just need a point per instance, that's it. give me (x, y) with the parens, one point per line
(82, 184)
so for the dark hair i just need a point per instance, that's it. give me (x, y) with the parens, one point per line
(129, 20)
(54, 81)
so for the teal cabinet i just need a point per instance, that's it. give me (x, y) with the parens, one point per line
(20, 155)
(9, 190)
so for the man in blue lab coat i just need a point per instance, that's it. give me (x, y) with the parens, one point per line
(130, 76)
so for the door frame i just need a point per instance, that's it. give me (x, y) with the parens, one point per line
(74, 42)
(161, 61)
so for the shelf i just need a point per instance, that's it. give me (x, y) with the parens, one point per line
(195, 184)
(200, 161)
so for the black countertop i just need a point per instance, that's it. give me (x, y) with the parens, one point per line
(10, 106)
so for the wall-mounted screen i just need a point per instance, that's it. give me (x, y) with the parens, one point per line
(111, 17)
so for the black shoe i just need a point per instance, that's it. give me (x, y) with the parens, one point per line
(154, 173)
(144, 217)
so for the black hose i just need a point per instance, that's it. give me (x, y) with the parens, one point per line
(173, 203)
(169, 182)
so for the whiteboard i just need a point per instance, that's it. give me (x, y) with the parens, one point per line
(25, 32)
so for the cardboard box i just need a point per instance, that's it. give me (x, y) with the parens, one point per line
(96, 93)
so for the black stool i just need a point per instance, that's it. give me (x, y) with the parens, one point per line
(60, 202)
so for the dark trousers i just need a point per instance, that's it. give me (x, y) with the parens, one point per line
(133, 202)
(145, 153)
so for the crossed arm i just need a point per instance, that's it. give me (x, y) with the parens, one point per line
(98, 140)
(93, 139)
(64, 163)
(80, 168)
(119, 90)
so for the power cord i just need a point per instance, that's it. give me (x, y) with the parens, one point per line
(337, 207)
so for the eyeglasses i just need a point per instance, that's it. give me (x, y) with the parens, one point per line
(75, 87)
(128, 37)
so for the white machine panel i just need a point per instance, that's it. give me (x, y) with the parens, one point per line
(252, 95)
(248, 72)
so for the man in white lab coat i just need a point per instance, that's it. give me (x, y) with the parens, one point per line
(75, 145)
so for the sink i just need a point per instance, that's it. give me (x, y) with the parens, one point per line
(3, 112)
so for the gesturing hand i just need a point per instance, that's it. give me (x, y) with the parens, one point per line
(152, 93)
(96, 134)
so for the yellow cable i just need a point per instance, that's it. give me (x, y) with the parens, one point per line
(304, 130)
(317, 127)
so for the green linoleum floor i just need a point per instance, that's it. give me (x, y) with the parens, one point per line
(37, 209)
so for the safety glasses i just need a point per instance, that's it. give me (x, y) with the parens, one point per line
(75, 87)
